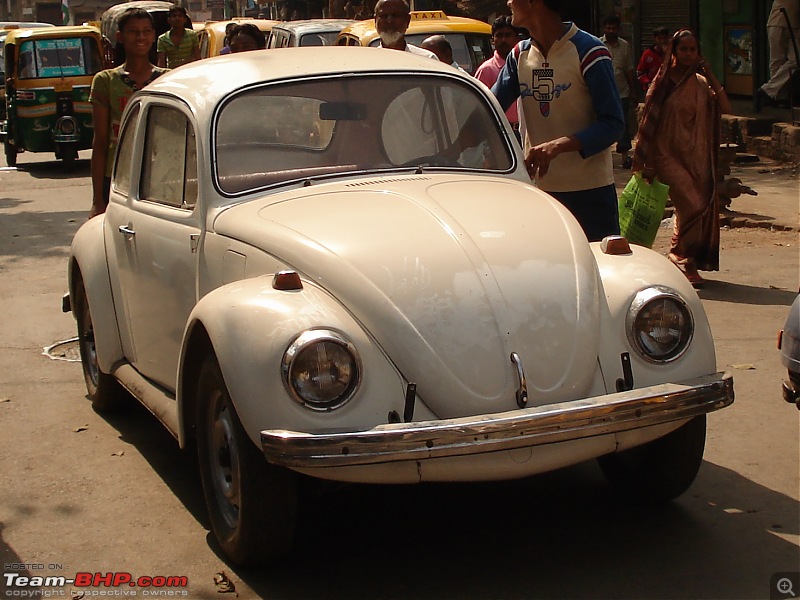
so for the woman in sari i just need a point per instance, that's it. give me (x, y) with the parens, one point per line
(678, 143)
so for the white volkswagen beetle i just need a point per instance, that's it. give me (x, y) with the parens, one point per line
(332, 262)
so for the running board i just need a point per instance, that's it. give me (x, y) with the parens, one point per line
(158, 401)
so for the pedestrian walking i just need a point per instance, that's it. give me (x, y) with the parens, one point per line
(782, 59)
(504, 38)
(110, 92)
(571, 110)
(678, 143)
(392, 18)
(178, 45)
(652, 57)
(625, 78)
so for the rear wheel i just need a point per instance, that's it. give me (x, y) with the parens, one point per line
(105, 392)
(252, 505)
(11, 154)
(660, 470)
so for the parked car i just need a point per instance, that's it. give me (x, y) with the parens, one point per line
(212, 36)
(332, 262)
(470, 39)
(789, 345)
(313, 32)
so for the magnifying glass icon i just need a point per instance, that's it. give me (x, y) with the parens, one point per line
(784, 586)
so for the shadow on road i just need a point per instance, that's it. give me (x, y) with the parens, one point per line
(34, 234)
(56, 169)
(557, 535)
(725, 291)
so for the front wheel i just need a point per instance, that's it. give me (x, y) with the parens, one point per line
(11, 154)
(252, 505)
(660, 470)
(105, 392)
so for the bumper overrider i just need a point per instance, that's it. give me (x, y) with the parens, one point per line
(480, 434)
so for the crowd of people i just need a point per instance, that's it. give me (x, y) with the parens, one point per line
(566, 93)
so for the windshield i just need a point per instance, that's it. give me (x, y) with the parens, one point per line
(320, 38)
(469, 49)
(301, 130)
(66, 57)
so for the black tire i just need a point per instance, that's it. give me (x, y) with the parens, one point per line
(11, 154)
(661, 470)
(105, 392)
(252, 505)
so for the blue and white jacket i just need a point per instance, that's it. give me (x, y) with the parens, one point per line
(569, 92)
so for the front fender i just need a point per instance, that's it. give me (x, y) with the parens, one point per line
(88, 262)
(249, 325)
(622, 277)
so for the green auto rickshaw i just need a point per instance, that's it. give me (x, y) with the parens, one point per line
(48, 76)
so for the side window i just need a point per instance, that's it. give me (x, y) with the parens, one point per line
(169, 164)
(122, 168)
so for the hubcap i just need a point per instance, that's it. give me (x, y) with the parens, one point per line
(224, 460)
(89, 348)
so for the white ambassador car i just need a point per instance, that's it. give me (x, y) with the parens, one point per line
(332, 262)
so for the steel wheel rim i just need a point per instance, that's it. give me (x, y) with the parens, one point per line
(224, 460)
(89, 348)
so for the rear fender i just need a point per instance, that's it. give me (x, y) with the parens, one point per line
(249, 325)
(88, 262)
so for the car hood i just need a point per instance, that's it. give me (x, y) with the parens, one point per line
(450, 276)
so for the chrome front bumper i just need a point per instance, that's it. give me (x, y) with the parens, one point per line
(480, 434)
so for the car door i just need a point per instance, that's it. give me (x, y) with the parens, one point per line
(156, 240)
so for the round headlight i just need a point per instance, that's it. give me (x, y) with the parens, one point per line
(659, 324)
(321, 369)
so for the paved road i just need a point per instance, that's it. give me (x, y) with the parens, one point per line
(82, 492)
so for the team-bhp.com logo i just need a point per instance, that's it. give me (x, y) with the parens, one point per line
(89, 584)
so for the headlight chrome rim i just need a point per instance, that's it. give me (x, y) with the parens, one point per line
(645, 298)
(304, 342)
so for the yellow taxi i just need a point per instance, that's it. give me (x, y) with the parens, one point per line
(470, 39)
(212, 35)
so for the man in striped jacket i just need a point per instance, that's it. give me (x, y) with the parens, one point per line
(572, 112)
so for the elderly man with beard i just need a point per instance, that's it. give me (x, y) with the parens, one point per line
(392, 18)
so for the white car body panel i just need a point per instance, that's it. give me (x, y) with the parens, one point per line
(435, 276)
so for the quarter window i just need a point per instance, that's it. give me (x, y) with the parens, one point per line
(169, 166)
(122, 169)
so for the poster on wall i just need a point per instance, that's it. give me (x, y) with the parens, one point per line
(739, 59)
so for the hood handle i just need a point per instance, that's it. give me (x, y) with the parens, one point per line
(522, 391)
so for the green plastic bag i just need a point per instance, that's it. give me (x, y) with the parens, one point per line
(641, 208)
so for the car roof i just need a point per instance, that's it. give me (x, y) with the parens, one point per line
(422, 21)
(202, 84)
(315, 25)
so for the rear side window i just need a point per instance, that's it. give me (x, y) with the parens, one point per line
(122, 169)
(169, 164)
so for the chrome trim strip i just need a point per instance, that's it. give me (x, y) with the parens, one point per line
(481, 434)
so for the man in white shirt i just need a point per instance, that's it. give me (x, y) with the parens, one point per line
(781, 53)
(392, 18)
(624, 76)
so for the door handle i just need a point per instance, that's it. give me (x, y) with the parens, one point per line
(127, 230)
